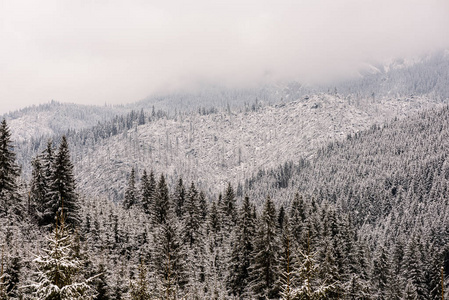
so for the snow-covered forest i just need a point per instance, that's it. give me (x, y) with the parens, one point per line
(282, 192)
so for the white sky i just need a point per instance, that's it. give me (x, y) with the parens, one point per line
(108, 51)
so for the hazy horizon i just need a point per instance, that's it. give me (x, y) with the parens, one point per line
(115, 52)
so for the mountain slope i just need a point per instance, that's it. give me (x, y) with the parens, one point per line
(56, 118)
(229, 146)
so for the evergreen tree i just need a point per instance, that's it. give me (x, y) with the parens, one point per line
(241, 254)
(59, 271)
(63, 187)
(202, 206)
(38, 191)
(312, 287)
(191, 229)
(9, 172)
(45, 210)
(3, 277)
(381, 273)
(100, 284)
(264, 268)
(13, 270)
(130, 193)
(146, 192)
(229, 209)
(169, 259)
(179, 199)
(139, 288)
(161, 203)
(288, 262)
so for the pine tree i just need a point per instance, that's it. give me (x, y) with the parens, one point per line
(241, 254)
(100, 284)
(312, 287)
(9, 172)
(169, 259)
(146, 192)
(179, 199)
(130, 193)
(381, 273)
(3, 276)
(45, 210)
(191, 233)
(229, 209)
(288, 262)
(139, 288)
(193, 241)
(63, 187)
(13, 270)
(264, 268)
(161, 203)
(38, 191)
(59, 275)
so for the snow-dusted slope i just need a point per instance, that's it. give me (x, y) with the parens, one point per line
(56, 118)
(217, 148)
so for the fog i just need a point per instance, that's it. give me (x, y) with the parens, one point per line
(97, 52)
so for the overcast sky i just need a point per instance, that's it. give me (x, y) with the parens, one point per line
(106, 51)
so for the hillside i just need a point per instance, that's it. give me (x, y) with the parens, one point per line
(393, 179)
(56, 118)
(226, 146)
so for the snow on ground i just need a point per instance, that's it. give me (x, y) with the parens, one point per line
(217, 148)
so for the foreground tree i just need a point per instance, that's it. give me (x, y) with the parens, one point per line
(9, 171)
(59, 270)
(62, 187)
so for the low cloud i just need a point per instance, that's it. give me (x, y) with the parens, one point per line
(97, 52)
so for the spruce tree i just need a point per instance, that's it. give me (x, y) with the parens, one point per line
(146, 192)
(58, 270)
(288, 262)
(179, 198)
(9, 172)
(62, 187)
(130, 193)
(169, 259)
(264, 268)
(241, 254)
(38, 192)
(161, 203)
(229, 208)
(139, 288)
(45, 210)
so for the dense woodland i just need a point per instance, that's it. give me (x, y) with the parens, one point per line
(364, 217)
(352, 226)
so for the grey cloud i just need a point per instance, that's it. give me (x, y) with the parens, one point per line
(121, 51)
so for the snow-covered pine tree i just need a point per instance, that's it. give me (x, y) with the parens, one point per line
(229, 209)
(288, 262)
(63, 187)
(264, 269)
(3, 276)
(193, 241)
(241, 254)
(161, 202)
(146, 191)
(312, 287)
(38, 191)
(130, 194)
(140, 288)
(169, 259)
(47, 213)
(9, 172)
(179, 198)
(381, 273)
(59, 270)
